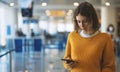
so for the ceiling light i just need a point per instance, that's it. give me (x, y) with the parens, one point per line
(44, 4)
(12, 4)
(75, 3)
(107, 3)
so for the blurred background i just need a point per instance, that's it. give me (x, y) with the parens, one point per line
(33, 33)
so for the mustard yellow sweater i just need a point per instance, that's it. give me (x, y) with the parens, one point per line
(95, 54)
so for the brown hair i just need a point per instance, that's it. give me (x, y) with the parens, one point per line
(86, 9)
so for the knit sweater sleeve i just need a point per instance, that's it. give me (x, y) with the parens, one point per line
(108, 60)
(67, 51)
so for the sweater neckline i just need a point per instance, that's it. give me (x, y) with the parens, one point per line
(82, 34)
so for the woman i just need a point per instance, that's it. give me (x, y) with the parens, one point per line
(88, 48)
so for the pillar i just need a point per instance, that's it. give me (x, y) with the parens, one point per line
(108, 16)
(8, 20)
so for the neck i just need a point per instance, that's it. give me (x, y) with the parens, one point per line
(89, 32)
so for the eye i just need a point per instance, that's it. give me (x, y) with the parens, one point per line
(78, 21)
(84, 21)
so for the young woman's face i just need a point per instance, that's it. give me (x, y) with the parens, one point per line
(82, 22)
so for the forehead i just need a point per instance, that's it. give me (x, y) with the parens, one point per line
(80, 17)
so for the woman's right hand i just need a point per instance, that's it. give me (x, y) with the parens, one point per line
(70, 63)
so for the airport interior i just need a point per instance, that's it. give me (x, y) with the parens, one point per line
(33, 33)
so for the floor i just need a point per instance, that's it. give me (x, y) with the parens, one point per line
(44, 61)
(47, 61)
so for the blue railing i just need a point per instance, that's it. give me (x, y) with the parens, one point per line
(10, 57)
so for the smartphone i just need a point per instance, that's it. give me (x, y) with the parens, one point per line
(67, 60)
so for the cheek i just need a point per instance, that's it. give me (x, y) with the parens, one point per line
(79, 25)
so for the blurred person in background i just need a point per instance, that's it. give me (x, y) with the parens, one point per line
(20, 33)
(110, 31)
(88, 49)
(32, 33)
